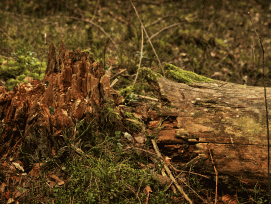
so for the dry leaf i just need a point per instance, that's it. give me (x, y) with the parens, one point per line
(59, 181)
(2, 187)
(147, 190)
(228, 199)
(18, 166)
(167, 160)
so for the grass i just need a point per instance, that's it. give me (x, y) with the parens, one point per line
(104, 174)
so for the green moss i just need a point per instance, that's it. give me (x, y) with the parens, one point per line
(21, 66)
(130, 115)
(177, 74)
(148, 74)
(126, 91)
(250, 126)
(221, 43)
(145, 75)
(109, 180)
(21, 77)
(109, 112)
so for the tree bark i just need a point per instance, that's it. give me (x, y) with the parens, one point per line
(225, 119)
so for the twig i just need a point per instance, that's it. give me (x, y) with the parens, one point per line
(163, 29)
(195, 192)
(104, 51)
(45, 44)
(267, 117)
(71, 200)
(177, 170)
(139, 188)
(216, 176)
(162, 18)
(88, 21)
(117, 74)
(114, 82)
(221, 60)
(193, 161)
(140, 58)
(6, 57)
(169, 173)
(95, 11)
(6, 34)
(146, 97)
(160, 65)
(141, 150)
(131, 188)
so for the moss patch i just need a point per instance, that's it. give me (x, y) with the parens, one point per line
(177, 74)
(20, 66)
(144, 76)
(148, 74)
(250, 126)
(247, 126)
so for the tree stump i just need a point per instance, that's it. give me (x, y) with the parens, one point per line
(36, 114)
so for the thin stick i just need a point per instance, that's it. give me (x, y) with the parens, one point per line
(216, 176)
(169, 172)
(140, 58)
(95, 11)
(267, 118)
(160, 65)
(104, 51)
(45, 43)
(162, 18)
(163, 29)
(118, 74)
(146, 97)
(133, 190)
(88, 21)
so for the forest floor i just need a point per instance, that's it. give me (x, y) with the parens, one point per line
(216, 40)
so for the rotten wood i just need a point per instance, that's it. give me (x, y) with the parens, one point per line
(226, 118)
(74, 88)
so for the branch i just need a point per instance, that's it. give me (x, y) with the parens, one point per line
(88, 21)
(140, 58)
(160, 65)
(162, 18)
(163, 29)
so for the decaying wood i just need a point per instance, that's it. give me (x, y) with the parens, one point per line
(226, 118)
(75, 87)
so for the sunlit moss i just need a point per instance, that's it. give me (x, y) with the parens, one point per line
(182, 76)
(149, 74)
(21, 66)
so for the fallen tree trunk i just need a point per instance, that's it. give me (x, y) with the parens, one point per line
(227, 119)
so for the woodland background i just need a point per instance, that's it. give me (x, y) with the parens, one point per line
(212, 38)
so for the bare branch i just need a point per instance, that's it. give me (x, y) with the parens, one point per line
(88, 21)
(163, 29)
(140, 58)
(160, 65)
